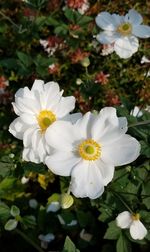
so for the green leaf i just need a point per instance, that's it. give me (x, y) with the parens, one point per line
(14, 211)
(145, 192)
(6, 185)
(4, 212)
(28, 221)
(32, 167)
(11, 224)
(25, 59)
(61, 29)
(123, 245)
(112, 232)
(69, 246)
(51, 21)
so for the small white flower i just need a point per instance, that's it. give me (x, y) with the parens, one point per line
(89, 150)
(85, 236)
(107, 49)
(38, 109)
(122, 31)
(53, 207)
(84, 7)
(24, 180)
(62, 222)
(33, 203)
(145, 60)
(136, 112)
(46, 239)
(132, 221)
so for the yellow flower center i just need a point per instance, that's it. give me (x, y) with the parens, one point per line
(135, 216)
(89, 150)
(45, 119)
(125, 29)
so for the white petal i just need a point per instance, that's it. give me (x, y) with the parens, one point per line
(65, 106)
(38, 85)
(27, 137)
(73, 118)
(24, 93)
(61, 135)
(133, 17)
(26, 105)
(124, 219)
(84, 125)
(86, 180)
(29, 155)
(41, 149)
(105, 21)
(61, 163)
(35, 137)
(106, 170)
(17, 128)
(141, 31)
(107, 37)
(123, 151)
(137, 230)
(118, 19)
(108, 127)
(125, 47)
(28, 119)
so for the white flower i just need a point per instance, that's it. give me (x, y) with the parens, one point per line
(107, 49)
(122, 31)
(132, 221)
(145, 60)
(33, 203)
(88, 150)
(53, 207)
(136, 112)
(45, 239)
(38, 109)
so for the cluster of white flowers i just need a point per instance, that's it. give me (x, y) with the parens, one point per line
(123, 31)
(76, 145)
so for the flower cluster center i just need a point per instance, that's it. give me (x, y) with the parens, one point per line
(89, 150)
(125, 29)
(45, 119)
(135, 216)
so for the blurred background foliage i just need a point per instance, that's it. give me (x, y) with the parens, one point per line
(54, 40)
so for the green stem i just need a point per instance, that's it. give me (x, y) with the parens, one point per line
(25, 237)
(139, 123)
(124, 203)
(9, 19)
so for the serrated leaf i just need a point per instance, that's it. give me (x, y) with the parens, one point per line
(11, 224)
(69, 246)
(112, 232)
(123, 245)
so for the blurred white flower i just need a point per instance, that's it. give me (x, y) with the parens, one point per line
(33, 203)
(85, 236)
(145, 60)
(37, 110)
(107, 49)
(46, 239)
(132, 221)
(89, 150)
(53, 207)
(62, 222)
(136, 112)
(24, 180)
(122, 31)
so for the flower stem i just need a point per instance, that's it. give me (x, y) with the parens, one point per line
(124, 203)
(25, 237)
(139, 123)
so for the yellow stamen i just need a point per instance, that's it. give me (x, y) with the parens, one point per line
(135, 216)
(45, 119)
(125, 29)
(89, 150)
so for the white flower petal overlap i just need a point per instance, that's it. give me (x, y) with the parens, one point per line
(89, 150)
(37, 110)
(123, 31)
